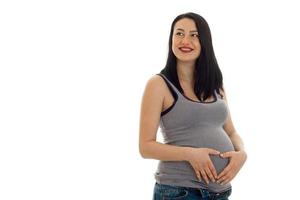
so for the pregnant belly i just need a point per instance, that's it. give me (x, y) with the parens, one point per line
(219, 141)
(219, 163)
(183, 169)
(214, 138)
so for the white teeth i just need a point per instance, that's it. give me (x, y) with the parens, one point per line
(186, 49)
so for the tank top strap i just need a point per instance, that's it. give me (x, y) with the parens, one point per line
(170, 85)
(175, 91)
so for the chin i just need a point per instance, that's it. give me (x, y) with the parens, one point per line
(186, 59)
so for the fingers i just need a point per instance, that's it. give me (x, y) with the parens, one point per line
(223, 179)
(226, 178)
(210, 175)
(204, 173)
(224, 172)
(213, 152)
(226, 175)
(198, 175)
(222, 176)
(226, 154)
(210, 170)
(213, 170)
(197, 172)
(204, 176)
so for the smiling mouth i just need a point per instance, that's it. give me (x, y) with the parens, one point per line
(185, 49)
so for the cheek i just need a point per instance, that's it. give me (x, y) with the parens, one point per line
(197, 44)
(198, 47)
(175, 52)
(174, 47)
(174, 44)
(175, 41)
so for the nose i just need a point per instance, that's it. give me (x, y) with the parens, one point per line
(185, 40)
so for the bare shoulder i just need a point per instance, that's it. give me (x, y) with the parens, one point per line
(151, 107)
(156, 80)
(156, 86)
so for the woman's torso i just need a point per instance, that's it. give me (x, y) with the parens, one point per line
(187, 122)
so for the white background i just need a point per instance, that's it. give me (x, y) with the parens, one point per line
(72, 74)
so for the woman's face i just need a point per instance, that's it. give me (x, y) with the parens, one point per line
(185, 41)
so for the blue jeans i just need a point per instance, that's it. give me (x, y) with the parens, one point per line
(169, 192)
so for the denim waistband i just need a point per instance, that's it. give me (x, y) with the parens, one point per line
(205, 193)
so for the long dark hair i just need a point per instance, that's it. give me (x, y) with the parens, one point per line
(208, 76)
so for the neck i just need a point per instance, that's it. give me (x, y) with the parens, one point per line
(185, 71)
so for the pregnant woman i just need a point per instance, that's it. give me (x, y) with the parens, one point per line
(202, 152)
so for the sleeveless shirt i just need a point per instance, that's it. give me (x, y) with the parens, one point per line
(193, 124)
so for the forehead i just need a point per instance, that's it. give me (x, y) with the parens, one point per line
(186, 24)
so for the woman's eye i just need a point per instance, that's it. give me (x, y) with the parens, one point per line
(179, 33)
(195, 35)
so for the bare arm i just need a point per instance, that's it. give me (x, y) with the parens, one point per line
(231, 132)
(151, 107)
(237, 157)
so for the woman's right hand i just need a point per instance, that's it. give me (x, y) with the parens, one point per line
(201, 163)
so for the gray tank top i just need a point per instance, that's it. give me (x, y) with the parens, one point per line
(193, 124)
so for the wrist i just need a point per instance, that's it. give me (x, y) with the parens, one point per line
(186, 153)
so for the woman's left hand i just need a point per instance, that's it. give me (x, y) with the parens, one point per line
(237, 160)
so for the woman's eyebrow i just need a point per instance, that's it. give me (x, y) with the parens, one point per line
(180, 29)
